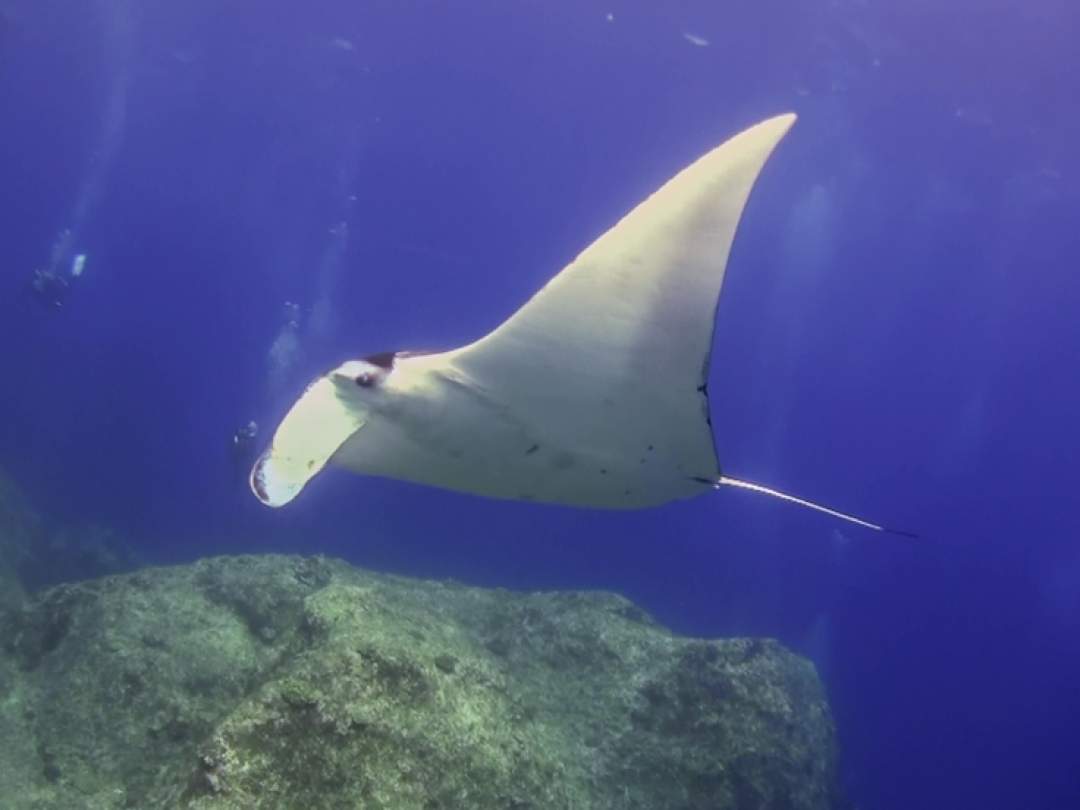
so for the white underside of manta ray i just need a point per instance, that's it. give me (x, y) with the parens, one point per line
(593, 394)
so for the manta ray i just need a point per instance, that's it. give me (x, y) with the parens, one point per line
(593, 394)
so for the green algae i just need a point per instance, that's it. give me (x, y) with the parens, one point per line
(287, 682)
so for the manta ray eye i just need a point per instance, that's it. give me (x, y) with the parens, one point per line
(372, 370)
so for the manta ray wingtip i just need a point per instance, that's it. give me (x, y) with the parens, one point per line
(780, 119)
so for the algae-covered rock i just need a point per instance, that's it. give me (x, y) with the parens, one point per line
(35, 554)
(20, 532)
(285, 682)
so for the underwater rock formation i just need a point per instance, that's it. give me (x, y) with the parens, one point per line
(287, 682)
(35, 554)
(20, 532)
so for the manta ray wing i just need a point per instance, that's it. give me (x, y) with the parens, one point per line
(609, 361)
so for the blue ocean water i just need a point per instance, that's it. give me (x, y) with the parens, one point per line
(898, 335)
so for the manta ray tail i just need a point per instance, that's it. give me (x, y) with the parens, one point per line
(724, 481)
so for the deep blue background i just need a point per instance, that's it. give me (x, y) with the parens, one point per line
(898, 336)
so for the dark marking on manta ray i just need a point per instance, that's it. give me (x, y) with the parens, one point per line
(703, 389)
(382, 360)
(701, 480)
(532, 449)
